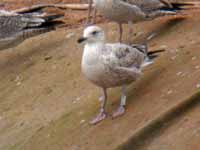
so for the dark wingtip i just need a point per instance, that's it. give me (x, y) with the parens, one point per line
(155, 52)
(53, 17)
(179, 6)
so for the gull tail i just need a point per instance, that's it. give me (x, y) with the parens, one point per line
(153, 54)
(185, 5)
(150, 57)
(40, 24)
(42, 20)
(52, 21)
(143, 47)
(52, 17)
(172, 9)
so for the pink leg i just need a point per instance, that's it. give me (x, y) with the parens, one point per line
(94, 16)
(121, 109)
(120, 32)
(89, 11)
(102, 114)
(119, 112)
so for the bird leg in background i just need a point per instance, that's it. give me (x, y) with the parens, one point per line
(102, 97)
(94, 16)
(121, 109)
(130, 30)
(89, 11)
(120, 32)
(88, 22)
(102, 114)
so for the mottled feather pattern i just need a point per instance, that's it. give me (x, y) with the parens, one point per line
(10, 25)
(122, 55)
(15, 28)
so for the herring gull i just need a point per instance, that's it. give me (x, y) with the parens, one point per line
(110, 65)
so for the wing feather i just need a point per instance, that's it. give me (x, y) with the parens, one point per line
(147, 5)
(122, 55)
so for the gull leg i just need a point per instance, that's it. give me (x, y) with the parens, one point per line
(94, 16)
(102, 97)
(121, 109)
(102, 114)
(89, 11)
(120, 32)
(130, 29)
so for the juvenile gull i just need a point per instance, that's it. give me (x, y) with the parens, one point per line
(15, 27)
(133, 11)
(111, 65)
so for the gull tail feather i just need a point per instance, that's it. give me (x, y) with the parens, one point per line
(175, 8)
(152, 53)
(150, 57)
(44, 21)
(143, 47)
(185, 5)
(52, 17)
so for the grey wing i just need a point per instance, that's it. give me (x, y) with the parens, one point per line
(124, 60)
(129, 8)
(147, 5)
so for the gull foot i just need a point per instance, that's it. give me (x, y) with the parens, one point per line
(120, 111)
(101, 116)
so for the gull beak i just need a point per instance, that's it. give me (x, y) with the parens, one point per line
(81, 40)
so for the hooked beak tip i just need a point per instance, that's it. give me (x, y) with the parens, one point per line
(81, 40)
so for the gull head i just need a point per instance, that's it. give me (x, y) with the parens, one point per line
(92, 34)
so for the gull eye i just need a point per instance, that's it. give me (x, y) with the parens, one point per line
(94, 32)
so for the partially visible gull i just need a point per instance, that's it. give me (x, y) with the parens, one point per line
(111, 65)
(15, 27)
(133, 11)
